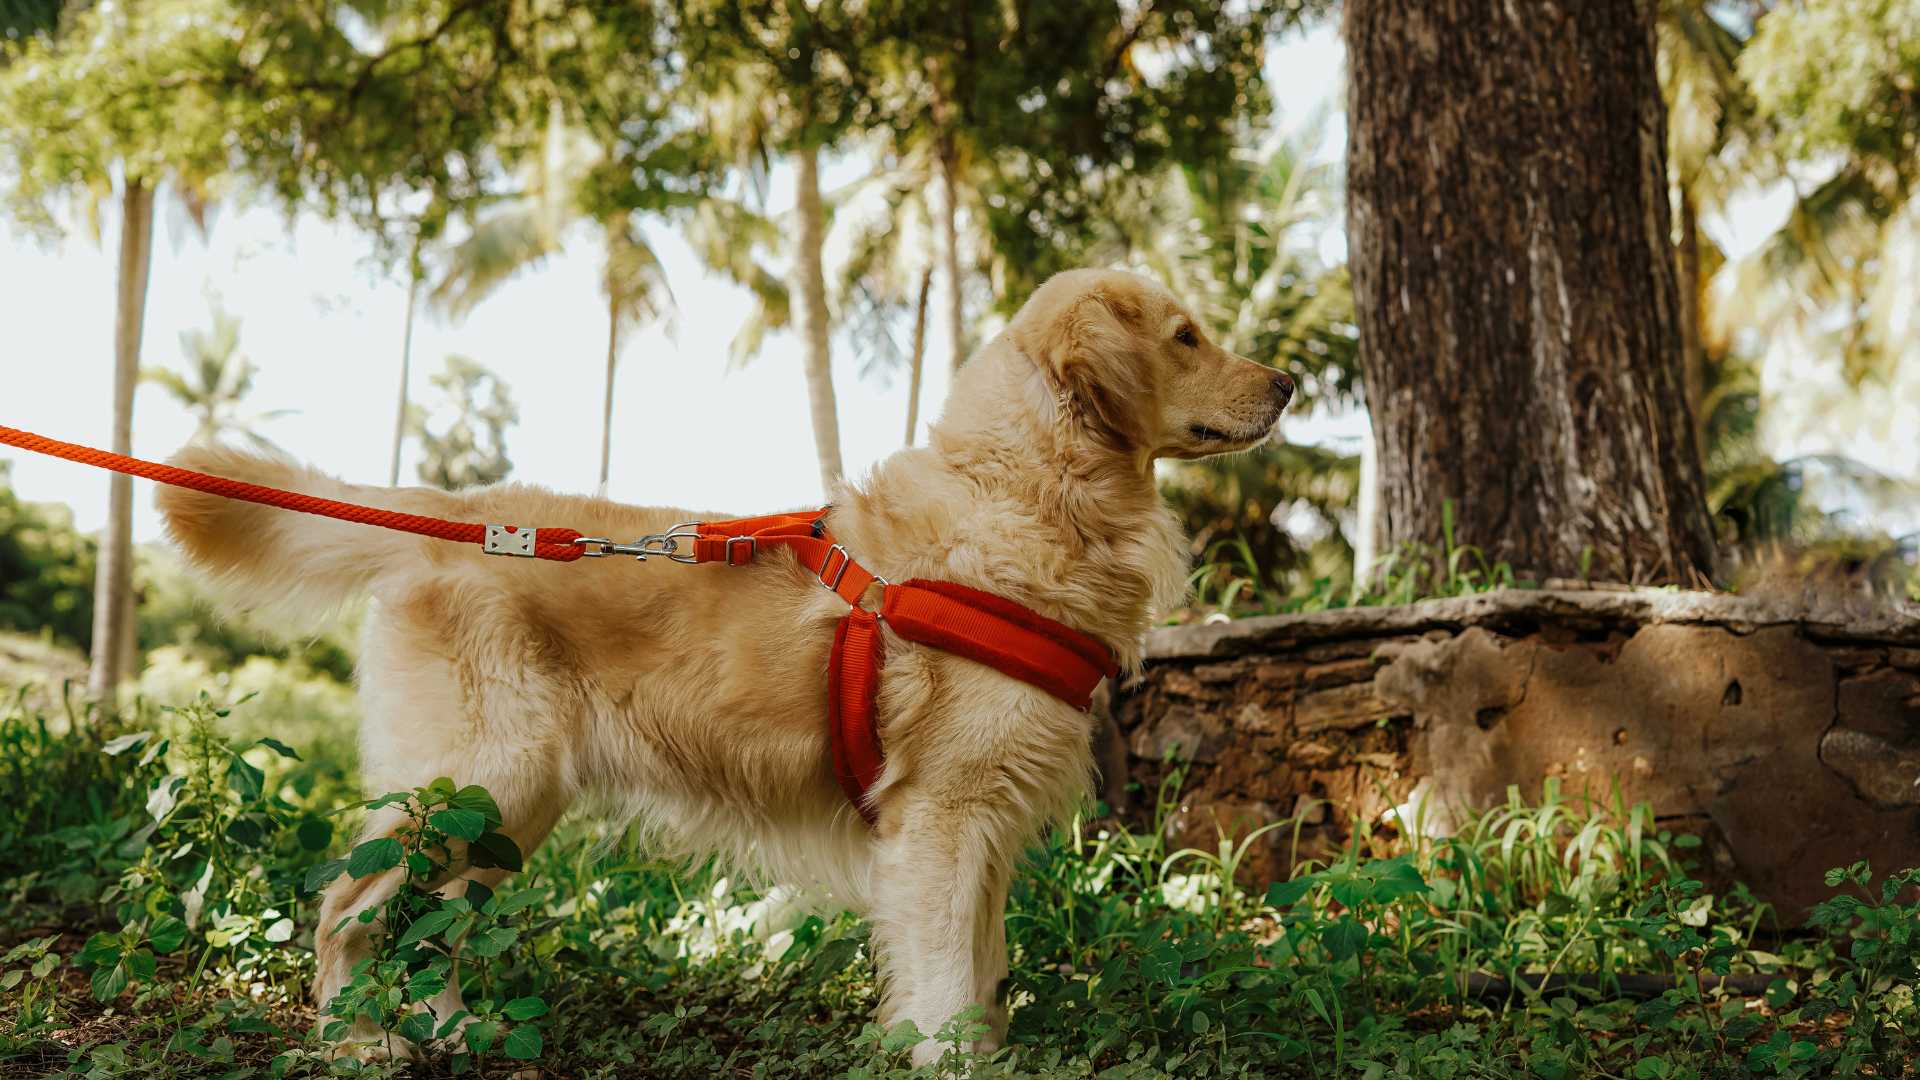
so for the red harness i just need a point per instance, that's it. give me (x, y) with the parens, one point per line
(999, 633)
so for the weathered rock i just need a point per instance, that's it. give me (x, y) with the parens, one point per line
(1791, 739)
(1194, 735)
(1883, 774)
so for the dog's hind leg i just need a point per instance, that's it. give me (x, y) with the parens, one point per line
(427, 717)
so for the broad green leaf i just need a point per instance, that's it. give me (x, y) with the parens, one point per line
(433, 922)
(474, 797)
(167, 934)
(247, 781)
(1161, 964)
(463, 824)
(480, 1035)
(279, 747)
(315, 833)
(524, 1008)
(1285, 894)
(318, 876)
(523, 1042)
(494, 849)
(492, 941)
(109, 981)
(901, 1036)
(374, 856)
(418, 1026)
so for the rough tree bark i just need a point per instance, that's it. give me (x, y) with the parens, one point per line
(1514, 284)
(112, 657)
(811, 284)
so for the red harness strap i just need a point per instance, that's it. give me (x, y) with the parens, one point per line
(987, 629)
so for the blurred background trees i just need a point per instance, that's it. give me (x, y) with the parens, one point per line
(878, 175)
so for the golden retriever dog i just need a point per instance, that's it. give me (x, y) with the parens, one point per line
(693, 698)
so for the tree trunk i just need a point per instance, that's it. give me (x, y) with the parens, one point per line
(112, 660)
(950, 246)
(1513, 280)
(406, 373)
(811, 283)
(606, 405)
(919, 357)
(1693, 350)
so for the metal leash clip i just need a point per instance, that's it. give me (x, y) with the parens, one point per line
(666, 544)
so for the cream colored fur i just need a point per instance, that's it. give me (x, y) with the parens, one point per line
(694, 697)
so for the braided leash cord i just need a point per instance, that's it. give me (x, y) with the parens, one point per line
(555, 544)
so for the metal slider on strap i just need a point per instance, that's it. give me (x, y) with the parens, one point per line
(753, 549)
(846, 560)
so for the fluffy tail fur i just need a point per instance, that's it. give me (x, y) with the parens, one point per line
(279, 559)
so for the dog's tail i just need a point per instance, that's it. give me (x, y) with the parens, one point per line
(285, 561)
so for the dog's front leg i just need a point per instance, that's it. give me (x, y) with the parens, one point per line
(939, 917)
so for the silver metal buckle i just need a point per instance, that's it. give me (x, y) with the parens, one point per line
(846, 560)
(753, 549)
(666, 544)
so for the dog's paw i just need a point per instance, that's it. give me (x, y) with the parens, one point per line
(377, 1049)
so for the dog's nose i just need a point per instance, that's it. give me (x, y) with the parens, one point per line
(1282, 388)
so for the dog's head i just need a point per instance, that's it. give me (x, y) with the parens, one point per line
(1131, 367)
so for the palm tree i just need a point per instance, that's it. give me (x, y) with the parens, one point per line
(216, 380)
(889, 270)
(744, 119)
(522, 231)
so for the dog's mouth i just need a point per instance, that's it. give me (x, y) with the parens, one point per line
(1205, 434)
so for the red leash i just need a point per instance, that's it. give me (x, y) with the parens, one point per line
(556, 544)
(982, 627)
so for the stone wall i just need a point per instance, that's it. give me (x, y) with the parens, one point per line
(1789, 740)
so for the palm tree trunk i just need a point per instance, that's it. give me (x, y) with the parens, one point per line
(606, 405)
(406, 371)
(112, 660)
(919, 353)
(811, 284)
(950, 246)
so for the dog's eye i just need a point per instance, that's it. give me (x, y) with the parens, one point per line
(1187, 337)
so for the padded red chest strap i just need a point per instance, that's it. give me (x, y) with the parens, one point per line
(999, 633)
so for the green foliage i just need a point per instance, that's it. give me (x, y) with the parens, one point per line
(1843, 71)
(124, 87)
(178, 860)
(46, 570)
(1232, 580)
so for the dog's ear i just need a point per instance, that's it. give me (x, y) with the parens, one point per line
(1090, 354)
